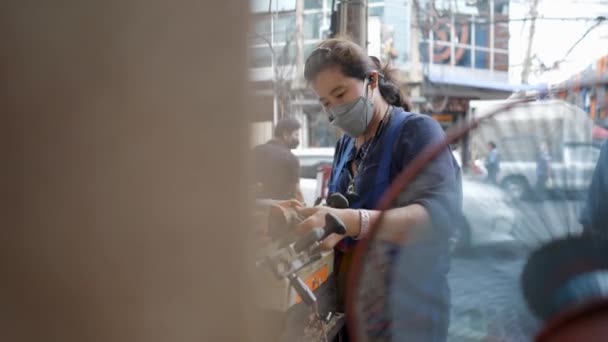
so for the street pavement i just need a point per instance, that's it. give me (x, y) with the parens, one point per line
(487, 304)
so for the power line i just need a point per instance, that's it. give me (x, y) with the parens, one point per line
(552, 19)
(590, 2)
(499, 21)
(600, 20)
(543, 68)
(435, 13)
(429, 13)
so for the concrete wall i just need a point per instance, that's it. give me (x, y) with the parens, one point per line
(123, 171)
(261, 132)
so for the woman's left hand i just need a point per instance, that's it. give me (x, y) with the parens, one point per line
(315, 217)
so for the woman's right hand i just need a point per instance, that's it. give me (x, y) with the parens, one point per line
(292, 203)
(315, 218)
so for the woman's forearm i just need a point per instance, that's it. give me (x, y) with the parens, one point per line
(397, 224)
(401, 223)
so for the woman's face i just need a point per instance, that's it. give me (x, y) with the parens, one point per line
(334, 88)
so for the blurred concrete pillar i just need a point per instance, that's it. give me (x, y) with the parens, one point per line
(353, 21)
(123, 171)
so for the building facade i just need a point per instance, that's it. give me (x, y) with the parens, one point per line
(447, 53)
(592, 99)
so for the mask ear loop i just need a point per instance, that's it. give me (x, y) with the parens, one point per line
(369, 79)
(369, 82)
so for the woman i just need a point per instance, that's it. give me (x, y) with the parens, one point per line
(543, 171)
(380, 139)
(492, 163)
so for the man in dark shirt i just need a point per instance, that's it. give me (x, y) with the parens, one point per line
(277, 170)
(594, 217)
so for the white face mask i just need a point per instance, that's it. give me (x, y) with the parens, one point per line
(353, 117)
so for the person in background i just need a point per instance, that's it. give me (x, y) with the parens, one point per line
(594, 216)
(277, 169)
(543, 171)
(492, 163)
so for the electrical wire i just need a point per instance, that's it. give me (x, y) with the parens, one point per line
(600, 20)
(543, 68)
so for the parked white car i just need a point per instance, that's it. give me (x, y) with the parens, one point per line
(489, 215)
(312, 158)
(309, 190)
(565, 129)
(571, 167)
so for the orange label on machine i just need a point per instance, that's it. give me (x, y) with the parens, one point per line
(443, 117)
(315, 280)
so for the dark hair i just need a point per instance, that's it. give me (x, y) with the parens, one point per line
(354, 62)
(286, 125)
(491, 143)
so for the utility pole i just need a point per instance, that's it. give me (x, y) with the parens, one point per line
(352, 21)
(273, 66)
(297, 82)
(299, 41)
(415, 74)
(525, 73)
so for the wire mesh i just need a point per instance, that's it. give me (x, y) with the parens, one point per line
(546, 158)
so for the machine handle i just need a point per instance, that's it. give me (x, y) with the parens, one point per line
(337, 200)
(333, 225)
(309, 239)
(302, 289)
